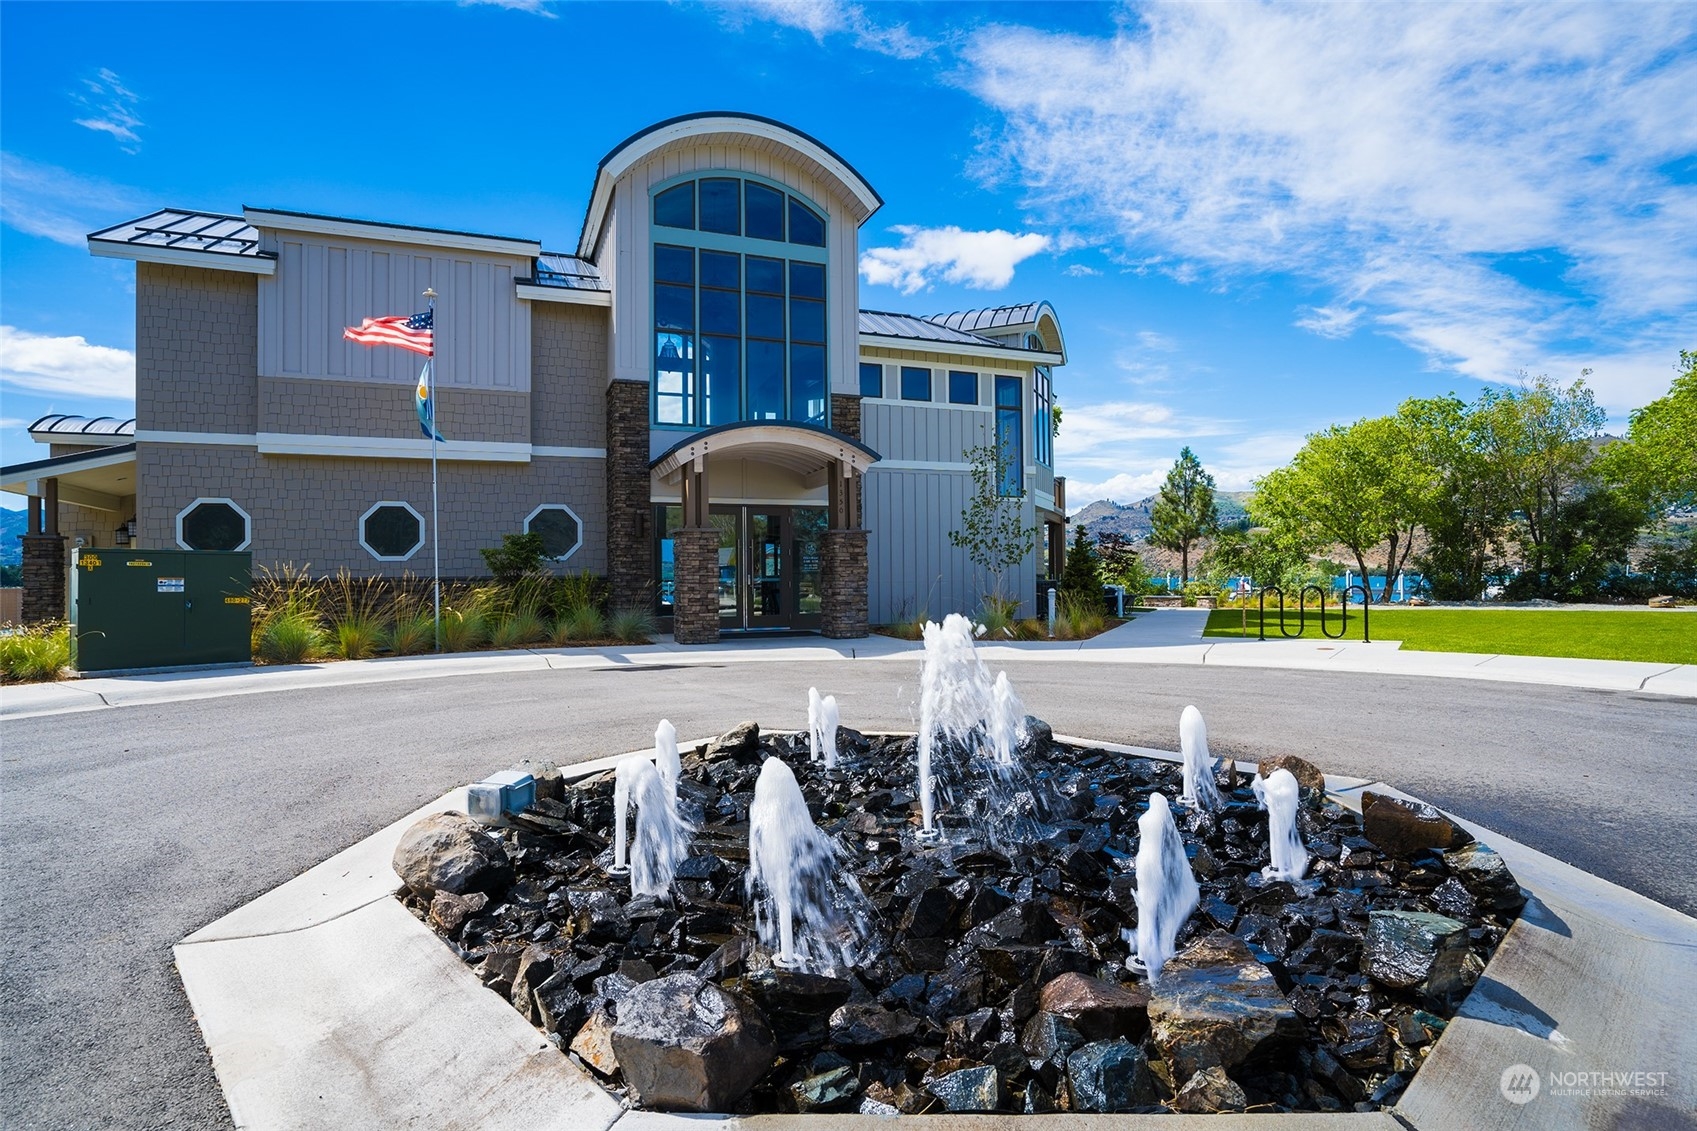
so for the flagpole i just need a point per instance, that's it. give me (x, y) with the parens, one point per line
(435, 537)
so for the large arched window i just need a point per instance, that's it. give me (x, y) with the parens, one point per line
(739, 304)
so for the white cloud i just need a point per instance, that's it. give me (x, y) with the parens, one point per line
(824, 18)
(534, 7)
(43, 200)
(980, 260)
(43, 363)
(1330, 321)
(1391, 156)
(110, 108)
(1157, 341)
(1122, 488)
(1080, 271)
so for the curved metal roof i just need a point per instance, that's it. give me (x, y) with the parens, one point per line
(800, 447)
(990, 317)
(64, 424)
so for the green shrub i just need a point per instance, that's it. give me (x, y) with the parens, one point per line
(517, 630)
(291, 636)
(464, 628)
(36, 653)
(584, 622)
(517, 556)
(356, 637)
(630, 626)
(998, 616)
(1079, 615)
(411, 634)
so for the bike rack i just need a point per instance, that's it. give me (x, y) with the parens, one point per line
(1302, 613)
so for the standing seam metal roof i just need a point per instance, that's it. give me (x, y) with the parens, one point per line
(182, 230)
(892, 325)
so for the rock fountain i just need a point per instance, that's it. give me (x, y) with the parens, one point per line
(847, 967)
(1200, 792)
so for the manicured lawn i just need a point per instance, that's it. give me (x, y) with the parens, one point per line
(1588, 634)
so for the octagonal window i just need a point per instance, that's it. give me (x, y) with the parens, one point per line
(213, 524)
(391, 531)
(561, 530)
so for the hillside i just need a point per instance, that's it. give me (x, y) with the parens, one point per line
(12, 524)
(1131, 520)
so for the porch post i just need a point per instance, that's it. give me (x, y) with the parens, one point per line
(844, 606)
(695, 563)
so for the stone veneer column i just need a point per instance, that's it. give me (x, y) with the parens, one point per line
(43, 577)
(843, 615)
(630, 553)
(695, 585)
(845, 414)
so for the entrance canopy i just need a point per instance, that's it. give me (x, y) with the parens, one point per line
(804, 449)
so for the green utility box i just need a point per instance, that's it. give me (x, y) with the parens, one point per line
(159, 608)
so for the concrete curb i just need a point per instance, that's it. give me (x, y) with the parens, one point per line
(324, 1003)
(1384, 658)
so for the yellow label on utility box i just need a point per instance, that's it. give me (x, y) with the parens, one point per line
(137, 562)
(236, 601)
(88, 561)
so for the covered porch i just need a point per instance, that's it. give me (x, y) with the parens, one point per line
(84, 499)
(759, 528)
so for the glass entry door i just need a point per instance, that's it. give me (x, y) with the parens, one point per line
(769, 583)
(769, 573)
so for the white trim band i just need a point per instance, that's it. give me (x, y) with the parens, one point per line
(551, 452)
(179, 257)
(578, 296)
(384, 447)
(385, 233)
(917, 465)
(1011, 358)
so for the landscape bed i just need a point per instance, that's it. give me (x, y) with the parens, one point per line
(992, 975)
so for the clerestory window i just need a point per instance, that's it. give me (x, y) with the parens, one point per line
(740, 325)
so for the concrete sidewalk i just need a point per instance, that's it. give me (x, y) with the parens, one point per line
(1156, 636)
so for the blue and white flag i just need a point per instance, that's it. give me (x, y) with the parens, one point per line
(427, 407)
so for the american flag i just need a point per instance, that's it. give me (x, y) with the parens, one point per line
(416, 333)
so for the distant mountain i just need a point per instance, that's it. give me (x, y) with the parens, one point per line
(1131, 522)
(12, 524)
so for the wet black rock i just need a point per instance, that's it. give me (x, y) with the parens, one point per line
(451, 852)
(976, 1089)
(1416, 950)
(1407, 828)
(1210, 1091)
(1454, 900)
(1214, 1004)
(859, 1025)
(688, 1045)
(1109, 1076)
(559, 1007)
(797, 1005)
(1047, 1035)
(835, 1090)
(1310, 781)
(930, 914)
(1484, 873)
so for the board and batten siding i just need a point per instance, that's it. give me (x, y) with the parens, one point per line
(326, 283)
(912, 567)
(930, 432)
(632, 234)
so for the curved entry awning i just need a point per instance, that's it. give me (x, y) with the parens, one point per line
(807, 450)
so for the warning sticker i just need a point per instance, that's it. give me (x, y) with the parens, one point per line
(170, 585)
(235, 600)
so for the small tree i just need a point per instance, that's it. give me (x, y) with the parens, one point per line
(1081, 577)
(1184, 511)
(1122, 564)
(990, 531)
(518, 556)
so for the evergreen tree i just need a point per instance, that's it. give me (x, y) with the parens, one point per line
(1082, 574)
(1184, 512)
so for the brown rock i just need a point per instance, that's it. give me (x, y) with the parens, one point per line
(741, 742)
(1098, 1010)
(1210, 1091)
(1214, 1005)
(1311, 783)
(594, 1042)
(448, 912)
(450, 852)
(684, 1044)
(1406, 828)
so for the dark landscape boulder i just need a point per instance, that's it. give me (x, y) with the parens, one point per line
(450, 852)
(687, 1045)
(1109, 1076)
(1483, 872)
(1407, 828)
(1208, 1092)
(1048, 1035)
(1214, 1005)
(1416, 950)
(868, 1023)
(978, 1088)
(834, 1090)
(797, 1005)
(1311, 783)
(594, 1042)
(1098, 1010)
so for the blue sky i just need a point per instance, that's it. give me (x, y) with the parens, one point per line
(1254, 221)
